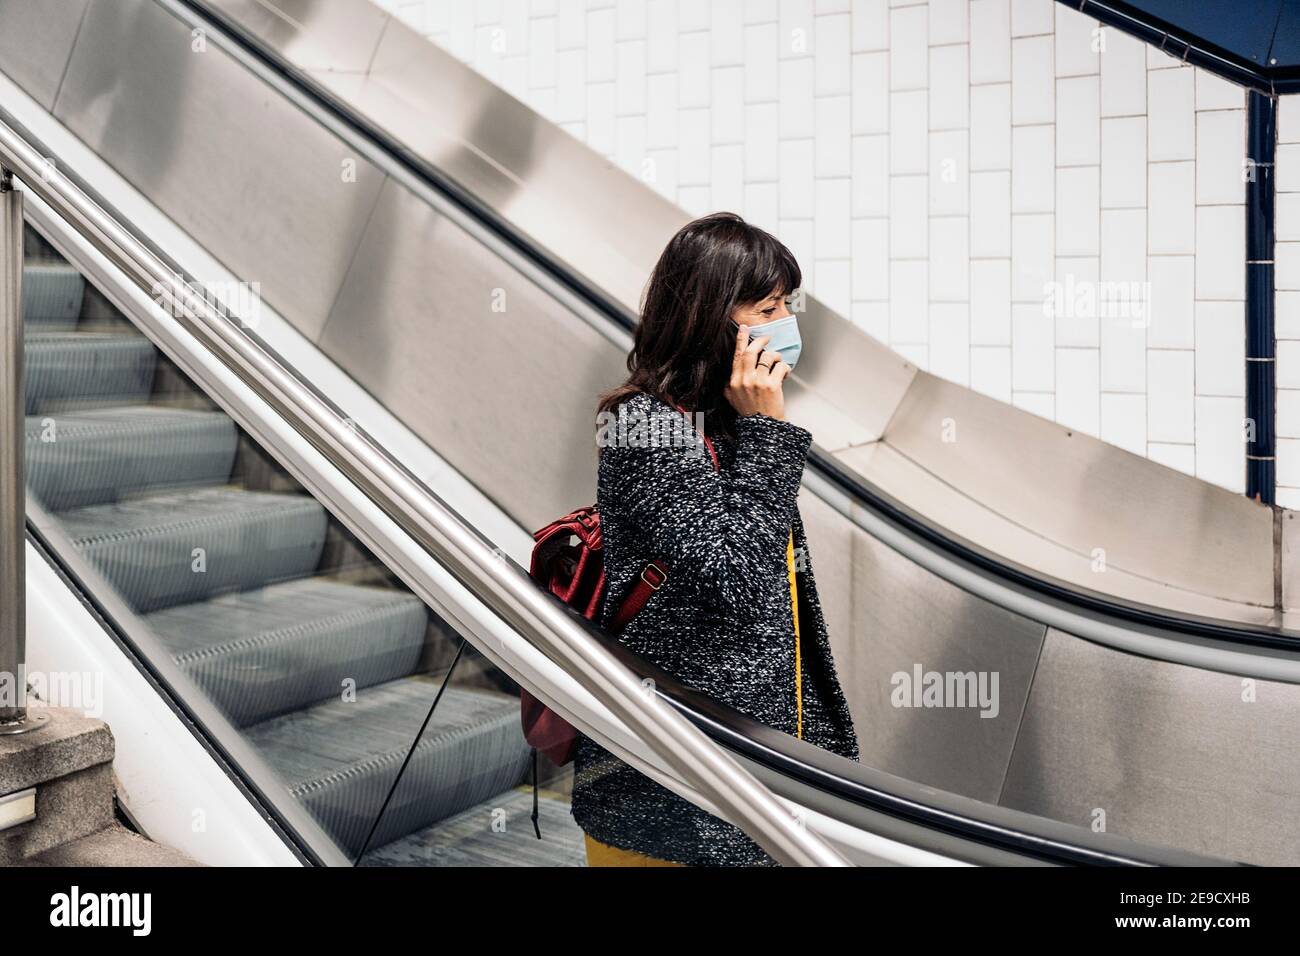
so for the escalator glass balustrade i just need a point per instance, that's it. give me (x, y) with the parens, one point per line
(315, 654)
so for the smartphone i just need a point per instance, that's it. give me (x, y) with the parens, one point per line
(735, 328)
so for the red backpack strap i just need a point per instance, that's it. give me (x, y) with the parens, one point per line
(651, 580)
(712, 454)
(655, 573)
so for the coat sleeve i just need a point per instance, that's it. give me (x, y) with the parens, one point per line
(715, 530)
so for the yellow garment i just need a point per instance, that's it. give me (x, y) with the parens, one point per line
(798, 669)
(602, 854)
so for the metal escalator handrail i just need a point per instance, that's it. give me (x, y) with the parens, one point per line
(503, 587)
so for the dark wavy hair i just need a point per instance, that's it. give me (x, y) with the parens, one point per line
(683, 348)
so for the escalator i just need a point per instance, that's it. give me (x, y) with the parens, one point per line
(320, 659)
(1120, 690)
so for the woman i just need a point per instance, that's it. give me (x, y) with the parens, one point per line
(738, 616)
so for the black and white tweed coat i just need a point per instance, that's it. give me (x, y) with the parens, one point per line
(721, 624)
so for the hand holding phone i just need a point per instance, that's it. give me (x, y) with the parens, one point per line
(757, 377)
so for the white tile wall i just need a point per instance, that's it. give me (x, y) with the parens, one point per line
(1123, 74)
(1078, 133)
(938, 167)
(1077, 326)
(1171, 198)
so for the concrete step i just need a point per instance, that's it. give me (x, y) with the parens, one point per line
(69, 762)
(113, 846)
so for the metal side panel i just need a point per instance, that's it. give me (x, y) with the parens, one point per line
(830, 552)
(938, 629)
(1173, 755)
(267, 190)
(1086, 494)
(830, 555)
(475, 358)
(1290, 561)
(36, 38)
(964, 519)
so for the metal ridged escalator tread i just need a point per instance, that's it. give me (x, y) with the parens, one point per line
(169, 549)
(70, 366)
(101, 454)
(469, 753)
(52, 295)
(258, 655)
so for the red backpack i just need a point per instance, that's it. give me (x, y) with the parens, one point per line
(568, 560)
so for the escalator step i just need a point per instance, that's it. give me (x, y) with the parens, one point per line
(340, 758)
(190, 545)
(277, 649)
(99, 455)
(76, 366)
(463, 840)
(52, 293)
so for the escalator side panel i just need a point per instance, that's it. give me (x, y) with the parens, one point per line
(474, 357)
(1169, 754)
(940, 740)
(1088, 496)
(185, 126)
(35, 41)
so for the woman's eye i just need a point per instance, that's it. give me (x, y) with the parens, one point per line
(769, 311)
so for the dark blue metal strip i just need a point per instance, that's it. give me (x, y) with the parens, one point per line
(1261, 341)
(1183, 44)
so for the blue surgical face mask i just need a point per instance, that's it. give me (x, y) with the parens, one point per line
(784, 335)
